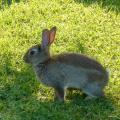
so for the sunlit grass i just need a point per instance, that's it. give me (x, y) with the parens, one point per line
(87, 27)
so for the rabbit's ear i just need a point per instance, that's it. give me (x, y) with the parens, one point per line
(52, 34)
(45, 38)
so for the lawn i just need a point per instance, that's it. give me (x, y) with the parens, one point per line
(90, 27)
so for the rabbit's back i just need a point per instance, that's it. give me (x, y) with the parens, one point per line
(79, 60)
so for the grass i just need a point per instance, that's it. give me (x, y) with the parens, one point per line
(90, 27)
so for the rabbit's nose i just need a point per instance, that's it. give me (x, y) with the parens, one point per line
(24, 58)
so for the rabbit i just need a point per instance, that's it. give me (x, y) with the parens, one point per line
(66, 70)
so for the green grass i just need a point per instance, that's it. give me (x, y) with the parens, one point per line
(90, 27)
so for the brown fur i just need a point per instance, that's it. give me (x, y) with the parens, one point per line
(79, 60)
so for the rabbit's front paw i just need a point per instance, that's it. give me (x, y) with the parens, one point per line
(59, 95)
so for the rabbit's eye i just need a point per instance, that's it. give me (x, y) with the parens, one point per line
(32, 52)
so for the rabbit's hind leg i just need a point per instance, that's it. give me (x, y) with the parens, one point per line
(93, 91)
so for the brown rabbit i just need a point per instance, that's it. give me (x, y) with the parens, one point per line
(65, 71)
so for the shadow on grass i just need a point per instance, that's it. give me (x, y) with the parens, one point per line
(9, 2)
(19, 99)
(113, 5)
